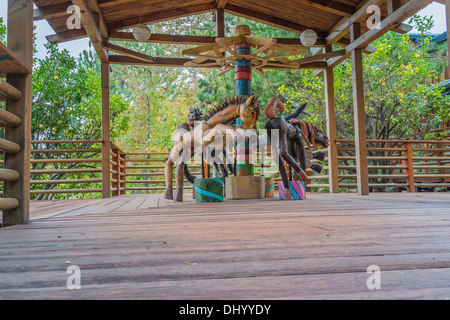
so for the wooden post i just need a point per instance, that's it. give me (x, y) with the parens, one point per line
(20, 41)
(123, 173)
(331, 128)
(116, 174)
(220, 22)
(359, 114)
(409, 167)
(106, 136)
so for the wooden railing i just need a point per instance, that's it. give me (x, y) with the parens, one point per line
(67, 167)
(398, 164)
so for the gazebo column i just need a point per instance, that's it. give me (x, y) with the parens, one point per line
(359, 114)
(20, 41)
(106, 132)
(331, 127)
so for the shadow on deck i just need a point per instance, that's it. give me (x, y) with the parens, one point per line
(144, 247)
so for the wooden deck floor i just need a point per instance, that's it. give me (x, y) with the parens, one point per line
(143, 247)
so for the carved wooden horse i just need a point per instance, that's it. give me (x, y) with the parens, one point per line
(292, 131)
(290, 139)
(245, 108)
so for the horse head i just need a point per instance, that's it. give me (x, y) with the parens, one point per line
(195, 114)
(250, 112)
(320, 138)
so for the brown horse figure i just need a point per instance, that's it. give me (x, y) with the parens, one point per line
(292, 131)
(203, 135)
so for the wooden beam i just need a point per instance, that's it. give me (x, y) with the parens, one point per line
(51, 11)
(180, 62)
(11, 63)
(342, 27)
(129, 53)
(91, 28)
(162, 16)
(334, 7)
(220, 23)
(158, 62)
(220, 4)
(330, 109)
(165, 38)
(65, 36)
(20, 41)
(387, 24)
(93, 4)
(106, 131)
(270, 20)
(362, 174)
(323, 56)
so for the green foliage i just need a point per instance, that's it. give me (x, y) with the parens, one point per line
(2, 31)
(67, 100)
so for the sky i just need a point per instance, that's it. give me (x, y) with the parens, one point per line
(75, 47)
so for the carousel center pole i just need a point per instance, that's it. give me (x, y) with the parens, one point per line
(244, 185)
(243, 78)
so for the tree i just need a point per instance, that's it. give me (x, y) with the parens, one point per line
(67, 106)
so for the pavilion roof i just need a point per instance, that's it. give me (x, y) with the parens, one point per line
(329, 18)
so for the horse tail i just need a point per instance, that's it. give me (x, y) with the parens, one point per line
(296, 113)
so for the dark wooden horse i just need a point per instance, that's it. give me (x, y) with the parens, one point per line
(292, 132)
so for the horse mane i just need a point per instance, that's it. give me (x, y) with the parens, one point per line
(225, 103)
(307, 129)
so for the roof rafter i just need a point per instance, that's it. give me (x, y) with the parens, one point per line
(269, 20)
(162, 16)
(392, 20)
(91, 28)
(51, 11)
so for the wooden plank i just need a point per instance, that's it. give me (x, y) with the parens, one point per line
(270, 19)
(324, 249)
(106, 135)
(20, 41)
(11, 63)
(359, 114)
(129, 53)
(51, 11)
(162, 16)
(130, 205)
(69, 35)
(337, 8)
(319, 57)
